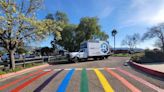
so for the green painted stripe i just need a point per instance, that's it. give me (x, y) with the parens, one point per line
(84, 81)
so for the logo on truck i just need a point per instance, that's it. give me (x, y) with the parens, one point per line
(104, 48)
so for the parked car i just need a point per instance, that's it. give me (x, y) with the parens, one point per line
(6, 56)
(29, 56)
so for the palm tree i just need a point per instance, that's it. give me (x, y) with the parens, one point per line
(114, 32)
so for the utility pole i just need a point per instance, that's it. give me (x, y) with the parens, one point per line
(114, 32)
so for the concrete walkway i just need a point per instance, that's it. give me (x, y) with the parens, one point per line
(157, 66)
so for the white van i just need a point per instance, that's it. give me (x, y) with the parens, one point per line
(91, 49)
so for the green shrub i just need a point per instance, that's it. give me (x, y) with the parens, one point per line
(32, 65)
(15, 70)
(29, 65)
(137, 57)
(2, 72)
(148, 56)
(156, 56)
(18, 68)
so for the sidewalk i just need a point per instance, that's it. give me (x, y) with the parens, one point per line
(157, 67)
(153, 69)
(13, 74)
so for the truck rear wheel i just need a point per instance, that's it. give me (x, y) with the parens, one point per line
(101, 58)
(106, 57)
(95, 58)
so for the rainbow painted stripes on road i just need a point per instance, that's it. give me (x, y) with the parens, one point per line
(20, 87)
(84, 83)
(18, 80)
(107, 87)
(123, 81)
(46, 82)
(65, 82)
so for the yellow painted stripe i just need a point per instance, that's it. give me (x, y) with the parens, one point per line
(103, 81)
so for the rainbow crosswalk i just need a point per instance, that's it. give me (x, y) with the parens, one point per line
(84, 80)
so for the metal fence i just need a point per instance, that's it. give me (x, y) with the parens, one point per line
(42, 59)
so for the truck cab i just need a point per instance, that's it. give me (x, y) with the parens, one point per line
(76, 56)
(83, 53)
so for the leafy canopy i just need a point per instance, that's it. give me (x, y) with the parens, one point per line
(18, 23)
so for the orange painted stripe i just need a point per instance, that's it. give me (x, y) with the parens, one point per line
(141, 80)
(123, 81)
(17, 89)
(18, 80)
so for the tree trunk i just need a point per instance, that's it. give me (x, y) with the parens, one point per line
(163, 48)
(12, 59)
(163, 45)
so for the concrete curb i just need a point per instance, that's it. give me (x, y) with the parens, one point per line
(147, 70)
(9, 75)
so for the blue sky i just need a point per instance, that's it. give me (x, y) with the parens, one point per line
(127, 16)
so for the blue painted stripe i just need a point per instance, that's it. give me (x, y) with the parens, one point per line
(65, 82)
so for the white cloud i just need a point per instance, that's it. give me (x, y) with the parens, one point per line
(101, 8)
(105, 12)
(159, 16)
(147, 12)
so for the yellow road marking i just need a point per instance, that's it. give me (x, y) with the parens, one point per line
(103, 81)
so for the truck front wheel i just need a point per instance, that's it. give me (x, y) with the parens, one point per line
(76, 60)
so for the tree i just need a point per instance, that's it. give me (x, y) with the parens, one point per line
(114, 32)
(88, 28)
(102, 36)
(50, 16)
(18, 24)
(74, 35)
(2, 52)
(131, 41)
(62, 20)
(69, 38)
(62, 17)
(158, 32)
(45, 51)
(21, 50)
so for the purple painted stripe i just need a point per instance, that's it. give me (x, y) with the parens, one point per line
(45, 83)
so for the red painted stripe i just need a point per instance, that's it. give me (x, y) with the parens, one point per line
(18, 80)
(141, 80)
(124, 81)
(17, 89)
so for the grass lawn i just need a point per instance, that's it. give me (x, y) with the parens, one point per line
(120, 55)
(18, 68)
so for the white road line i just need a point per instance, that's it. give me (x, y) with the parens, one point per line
(112, 68)
(57, 69)
(46, 70)
(79, 69)
(68, 69)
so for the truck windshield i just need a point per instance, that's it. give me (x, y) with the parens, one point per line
(81, 50)
(84, 45)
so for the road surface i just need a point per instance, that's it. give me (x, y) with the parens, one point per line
(92, 76)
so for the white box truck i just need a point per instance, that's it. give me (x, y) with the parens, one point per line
(91, 49)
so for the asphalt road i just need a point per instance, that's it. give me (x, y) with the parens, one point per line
(92, 76)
